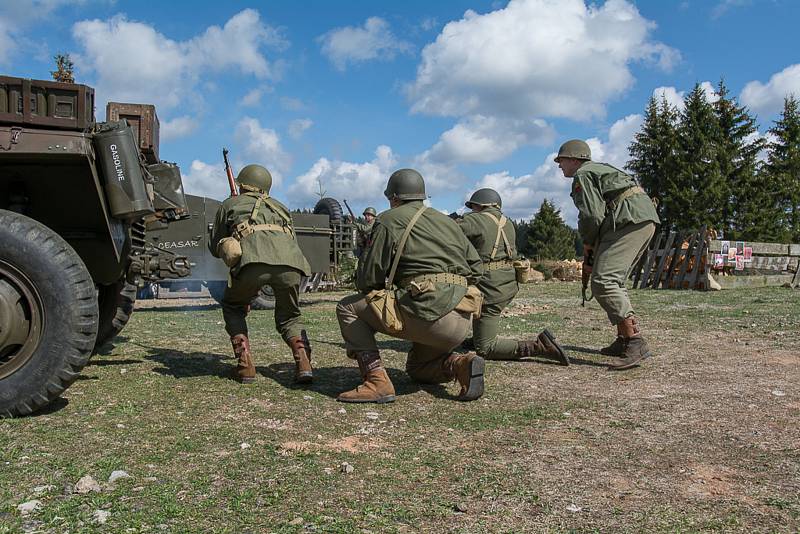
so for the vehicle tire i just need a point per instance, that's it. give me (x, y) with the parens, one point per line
(115, 304)
(330, 207)
(48, 315)
(263, 301)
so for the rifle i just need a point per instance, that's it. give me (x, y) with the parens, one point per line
(586, 274)
(351, 211)
(229, 172)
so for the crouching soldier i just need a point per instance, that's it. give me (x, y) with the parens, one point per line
(253, 234)
(494, 237)
(417, 283)
(616, 220)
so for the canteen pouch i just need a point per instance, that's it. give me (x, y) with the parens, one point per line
(383, 303)
(472, 302)
(521, 270)
(230, 250)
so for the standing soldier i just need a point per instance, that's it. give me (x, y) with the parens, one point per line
(493, 236)
(422, 258)
(363, 231)
(253, 234)
(616, 220)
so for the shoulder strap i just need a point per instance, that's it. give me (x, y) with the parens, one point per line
(259, 199)
(401, 246)
(501, 232)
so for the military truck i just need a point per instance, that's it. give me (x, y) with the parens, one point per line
(76, 197)
(324, 237)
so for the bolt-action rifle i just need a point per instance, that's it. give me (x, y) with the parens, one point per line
(229, 172)
(351, 211)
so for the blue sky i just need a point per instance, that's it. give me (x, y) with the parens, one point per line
(340, 94)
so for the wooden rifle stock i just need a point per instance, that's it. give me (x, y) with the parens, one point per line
(229, 172)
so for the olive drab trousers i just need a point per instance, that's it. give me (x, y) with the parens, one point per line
(285, 284)
(433, 341)
(614, 258)
(484, 334)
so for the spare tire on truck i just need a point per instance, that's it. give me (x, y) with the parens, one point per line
(48, 315)
(330, 207)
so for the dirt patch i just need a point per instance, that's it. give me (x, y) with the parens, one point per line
(351, 444)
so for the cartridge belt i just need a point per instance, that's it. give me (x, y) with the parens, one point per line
(442, 278)
(498, 265)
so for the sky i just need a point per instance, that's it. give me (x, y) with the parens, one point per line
(332, 97)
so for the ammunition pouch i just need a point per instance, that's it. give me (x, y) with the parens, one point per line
(383, 303)
(498, 265)
(230, 250)
(472, 302)
(522, 270)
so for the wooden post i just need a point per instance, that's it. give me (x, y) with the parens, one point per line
(701, 248)
(660, 268)
(651, 256)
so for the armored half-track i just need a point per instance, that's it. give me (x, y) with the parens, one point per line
(76, 197)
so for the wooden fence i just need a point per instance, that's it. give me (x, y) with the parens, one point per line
(685, 260)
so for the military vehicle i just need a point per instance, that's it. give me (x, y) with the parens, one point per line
(324, 237)
(76, 197)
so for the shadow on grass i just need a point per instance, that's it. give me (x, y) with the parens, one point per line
(180, 364)
(103, 363)
(331, 381)
(56, 406)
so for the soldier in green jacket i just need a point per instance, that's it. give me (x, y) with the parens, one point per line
(434, 269)
(616, 221)
(363, 231)
(259, 229)
(494, 237)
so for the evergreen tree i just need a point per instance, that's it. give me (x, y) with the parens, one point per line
(696, 191)
(548, 236)
(523, 246)
(783, 166)
(747, 214)
(653, 153)
(64, 69)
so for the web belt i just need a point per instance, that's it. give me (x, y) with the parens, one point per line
(442, 278)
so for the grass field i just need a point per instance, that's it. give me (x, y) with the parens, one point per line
(703, 437)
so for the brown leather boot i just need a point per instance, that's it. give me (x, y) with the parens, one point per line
(544, 346)
(634, 345)
(376, 387)
(617, 348)
(468, 370)
(245, 370)
(301, 352)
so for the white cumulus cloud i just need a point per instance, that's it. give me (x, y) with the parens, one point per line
(178, 127)
(15, 17)
(767, 98)
(675, 97)
(206, 180)
(540, 58)
(132, 61)
(298, 126)
(360, 182)
(356, 44)
(252, 98)
(262, 146)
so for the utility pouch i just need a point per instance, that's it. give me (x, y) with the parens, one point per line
(383, 303)
(472, 302)
(522, 270)
(230, 250)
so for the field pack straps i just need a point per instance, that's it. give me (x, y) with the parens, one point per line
(614, 203)
(501, 232)
(248, 227)
(401, 246)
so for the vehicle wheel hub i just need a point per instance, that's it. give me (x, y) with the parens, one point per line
(21, 319)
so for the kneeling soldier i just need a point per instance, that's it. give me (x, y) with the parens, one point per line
(494, 237)
(253, 234)
(419, 256)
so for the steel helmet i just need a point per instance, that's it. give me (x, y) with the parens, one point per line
(574, 148)
(254, 178)
(484, 197)
(370, 211)
(405, 184)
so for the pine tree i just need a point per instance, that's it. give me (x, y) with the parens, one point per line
(697, 189)
(783, 166)
(748, 213)
(653, 153)
(64, 69)
(548, 236)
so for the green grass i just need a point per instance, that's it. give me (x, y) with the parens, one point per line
(694, 440)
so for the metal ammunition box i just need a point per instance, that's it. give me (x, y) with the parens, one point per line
(143, 120)
(66, 106)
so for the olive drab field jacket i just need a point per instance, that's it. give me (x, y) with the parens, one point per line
(436, 245)
(271, 247)
(596, 189)
(499, 283)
